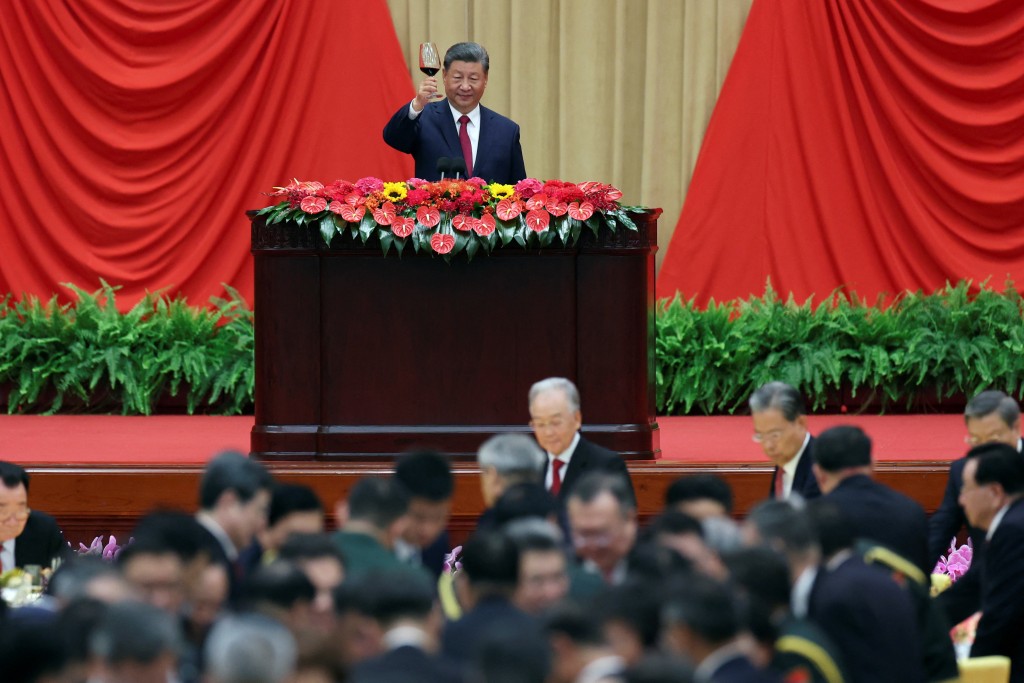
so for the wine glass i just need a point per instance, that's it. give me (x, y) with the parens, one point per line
(430, 61)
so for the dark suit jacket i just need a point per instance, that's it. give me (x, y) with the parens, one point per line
(589, 457)
(41, 542)
(880, 514)
(949, 518)
(738, 669)
(804, 482)
(1001, 629)
(406, 664)
(871, 620)
(434, 134)
(460, 638)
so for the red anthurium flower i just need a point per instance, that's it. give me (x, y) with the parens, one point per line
(537, 201)
(556, 208)
(463, 222)
(428, 216)
(508, 209)
(484, 226)
(353, 214)
(581, 211)
(537, 220)
(589, 186)
(355, 199)
(385, 214)
(612, 195)
(442, 244)
(313, 204)
(336, 207)
(402, 226)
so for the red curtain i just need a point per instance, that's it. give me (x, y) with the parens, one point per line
(137, 133)
(873, 144)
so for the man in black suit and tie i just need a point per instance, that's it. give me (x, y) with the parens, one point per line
(842, 466)
(990, 417)
(993, 485)
(27, 537)
(780, 426)
(458, 126)
(556, 420)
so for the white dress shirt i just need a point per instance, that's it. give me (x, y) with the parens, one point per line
(7, 554)
(788, 471)
(565, 457)
(472, 128)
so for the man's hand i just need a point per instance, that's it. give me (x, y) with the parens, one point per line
(426, 93)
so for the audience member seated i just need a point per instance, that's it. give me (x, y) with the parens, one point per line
(427, 476)
(701, 496)
(134, 643)
(630, 615)
(602, 516)
(555, 418)
(685, 535)
(250, 648)
(323, 564)
(486, 585)
(506, 460)
(234, 494)
(543, 565)
(156, 572)
(509, 655)
(27, 537)
(282, 591)
(580, 649)
(780, 426)
(294, 509)
(372, 518)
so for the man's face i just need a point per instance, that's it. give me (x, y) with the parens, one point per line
(159, 578)
(543, 580)
(780, 439)
(209, 595)
(464, 84)
(554, 425)
(992, 429)
(600, 530)
(427, 519)
(247, 518)
(13, 511)
(326, 574)
(980, 503)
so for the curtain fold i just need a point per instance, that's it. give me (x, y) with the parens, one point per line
(138, 133)
(867, 144)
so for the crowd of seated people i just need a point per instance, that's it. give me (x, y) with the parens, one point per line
(559, 583)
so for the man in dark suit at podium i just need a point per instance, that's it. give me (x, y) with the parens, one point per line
(27, 537)
(780, 426)
(556, 420)
(458, 127)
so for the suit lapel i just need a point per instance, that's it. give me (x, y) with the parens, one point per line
(449, 131)
(483, 144)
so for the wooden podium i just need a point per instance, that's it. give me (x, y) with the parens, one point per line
(361, 356)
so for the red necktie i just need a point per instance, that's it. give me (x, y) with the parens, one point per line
(556, 476)
(780, 484)
(467, 149)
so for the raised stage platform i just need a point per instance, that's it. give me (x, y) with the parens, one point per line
(98, 474)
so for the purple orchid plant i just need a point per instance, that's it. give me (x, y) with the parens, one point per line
(451, 560)
(956, 563)
(97, 548)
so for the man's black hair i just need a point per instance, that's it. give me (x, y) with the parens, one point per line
(13, 475)
(177, 530)
(523, 500)
(842, 447)
(281, 584)
(310, 547)
(378, 501)
(705, 606)
(637, 605)
(779, 523)
(491, 562)
(673, 523)
(232, 471)
(700, 487)
(999, 464)
(831, 526)
(288, 498)
(392, 595)
(426, 475)
(578, 623)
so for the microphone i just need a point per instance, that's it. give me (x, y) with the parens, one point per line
(444, 164)
(458, 166)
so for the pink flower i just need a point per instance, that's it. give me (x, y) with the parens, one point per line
(528, 187)
(369, 185)
(313, 204)
(451, 560)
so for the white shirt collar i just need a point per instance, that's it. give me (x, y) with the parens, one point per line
(564, 457)
(7, 554)
(714, 661)
(218, 532)
(601, 668)
(408, 635)
(995, 521)
(474, 116)
(789, 469)
(800, 600)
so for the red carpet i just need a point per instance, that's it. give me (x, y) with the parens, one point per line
(78, 439)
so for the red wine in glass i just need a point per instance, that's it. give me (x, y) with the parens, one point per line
(430, 61)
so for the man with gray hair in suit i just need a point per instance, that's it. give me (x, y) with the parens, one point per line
(555, 418)
(780, 426)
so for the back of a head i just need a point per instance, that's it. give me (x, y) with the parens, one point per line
(286, 499)
(280, 584)
(841, 448)
(232, 471)
(760, 572)
(576, 622)
(533, 533)
(29, 653)
(831, 526)
(636, 604)
(72, 579)
(784, 527)
(523, 501)
(654, 562)
(993, 402)
(491, 562)
(249, 648)
(427, 475)
(13, 475)
(298, 547)
(659, 668)
(674, 523)
(705, 606)
(509, 654)
(515, 457)
(174, 529)
(999, 464)
(778, 396)
(394, 595)
(134, 632)
(378, 501)
(696, 487)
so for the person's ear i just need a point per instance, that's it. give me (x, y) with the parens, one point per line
(341, 513)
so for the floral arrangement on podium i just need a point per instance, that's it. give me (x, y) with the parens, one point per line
(450, 216)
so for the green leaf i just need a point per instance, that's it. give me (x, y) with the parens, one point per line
(386, 240)
(327, 229)
(367, 226)
(472, 245)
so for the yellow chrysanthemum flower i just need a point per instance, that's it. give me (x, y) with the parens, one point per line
(499, 191)
(395, 192)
